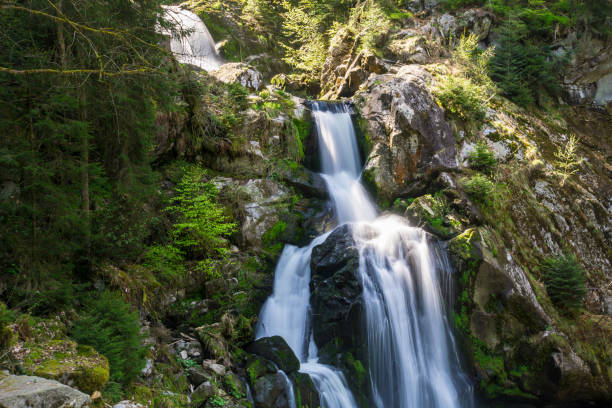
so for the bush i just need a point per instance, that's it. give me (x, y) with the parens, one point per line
(565, 282)
(108, 324)
(463, 98)
(201, 224)
(482, 159)
(479, 188)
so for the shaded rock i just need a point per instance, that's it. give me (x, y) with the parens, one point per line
(203, 392)
(306, 181)
(269, 391)
(197, 375)
(336, 291)
(30, 392)
(240, 73)
(305, 390)
(411, 137)
(277, 350)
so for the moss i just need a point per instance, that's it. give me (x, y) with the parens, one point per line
(83, 367)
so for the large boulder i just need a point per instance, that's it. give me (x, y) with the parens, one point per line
(35, 392)
(411, 139)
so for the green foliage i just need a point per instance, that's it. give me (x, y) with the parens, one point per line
(108, 324)
(304, 26)
(482, 159)
(166, 262)
(567, 159)
(76, 146)
(522, 69)
(475, 60)
(201, 223)
(455, 4)
(463, 98)
(479, 188)
(565, 282)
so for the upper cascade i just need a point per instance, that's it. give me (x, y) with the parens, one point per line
(190, 42)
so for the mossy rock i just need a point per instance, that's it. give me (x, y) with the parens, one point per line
(71, 364)
(277, 350)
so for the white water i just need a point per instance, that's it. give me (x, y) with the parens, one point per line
(412, 359)
(192, 43)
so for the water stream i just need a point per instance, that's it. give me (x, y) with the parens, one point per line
(412, 359)
(190, 41)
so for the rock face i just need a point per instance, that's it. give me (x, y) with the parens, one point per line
(35, 392)
(343, 71)
(516, 351)
(411, 139)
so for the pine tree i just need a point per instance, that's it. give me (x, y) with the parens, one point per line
(565, 282)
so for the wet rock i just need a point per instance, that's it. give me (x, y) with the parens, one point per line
(269, 391)
(336, 291)
(305, 390)
(240, 73)
(26, 391)
(277, 350)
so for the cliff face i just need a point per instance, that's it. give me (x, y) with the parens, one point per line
(539, 197)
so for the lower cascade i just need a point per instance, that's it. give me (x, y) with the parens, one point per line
(409, 351)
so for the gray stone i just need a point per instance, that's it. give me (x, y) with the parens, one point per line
(35, 392)
(411, 136)
(240, 73)
(211, 366)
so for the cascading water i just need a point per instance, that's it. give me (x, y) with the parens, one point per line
(192, 44)
(412, 359)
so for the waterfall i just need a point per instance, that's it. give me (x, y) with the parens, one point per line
(190, 41)
(412, 358)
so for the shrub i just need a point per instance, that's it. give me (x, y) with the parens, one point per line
(479, 188)
(567, 159)
(108, 324)
(201, 224)
(463, 98)
(482, 159)
(565, 282)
